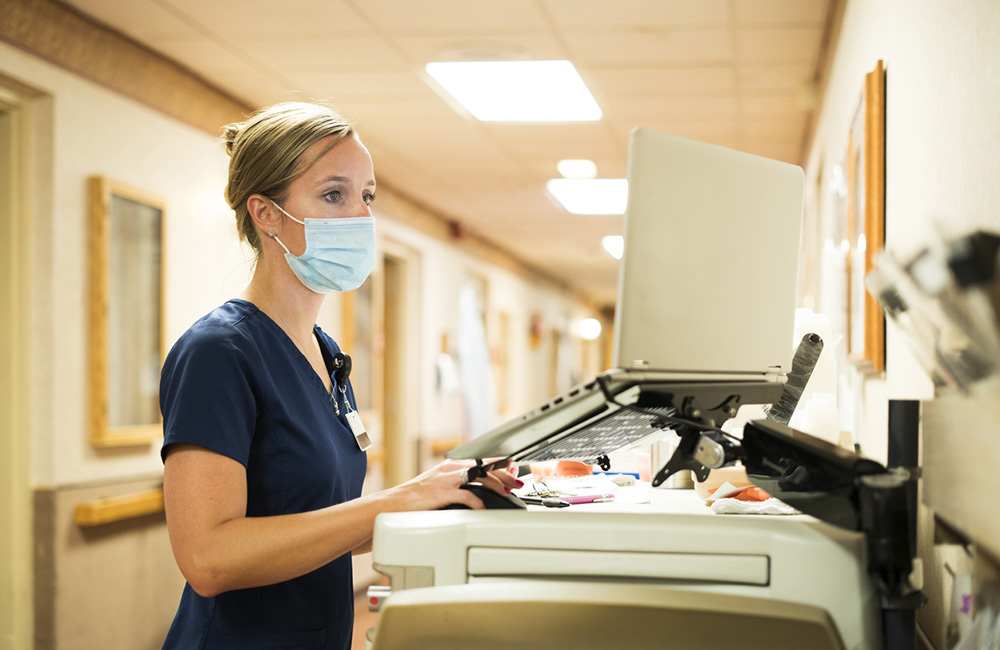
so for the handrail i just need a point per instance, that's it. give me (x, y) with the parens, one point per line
(112, 509)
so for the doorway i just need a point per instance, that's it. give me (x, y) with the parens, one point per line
(395, 472)
(16, 557)
(400, 376)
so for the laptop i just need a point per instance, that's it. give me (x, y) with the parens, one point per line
(705, 309)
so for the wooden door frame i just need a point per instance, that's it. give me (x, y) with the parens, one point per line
(19, 129)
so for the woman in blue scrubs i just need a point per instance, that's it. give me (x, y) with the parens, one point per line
(263, 450)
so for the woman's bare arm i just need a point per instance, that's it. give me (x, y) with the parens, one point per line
(218, 548)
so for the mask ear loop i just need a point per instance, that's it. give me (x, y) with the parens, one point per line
(270, 233)
(302, 223)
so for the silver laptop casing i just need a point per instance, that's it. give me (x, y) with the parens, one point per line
(706, 301)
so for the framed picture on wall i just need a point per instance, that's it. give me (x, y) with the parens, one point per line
(126, 314)
(866, 223)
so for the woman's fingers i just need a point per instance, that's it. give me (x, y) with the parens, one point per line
(500, 481)
(441, 485)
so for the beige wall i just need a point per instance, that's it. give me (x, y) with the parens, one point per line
(942, 63)
(99, 132)
(122, 577)
(110, 586)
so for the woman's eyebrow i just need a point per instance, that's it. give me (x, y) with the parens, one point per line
(343, 179)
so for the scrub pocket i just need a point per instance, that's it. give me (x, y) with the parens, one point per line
(305, 640)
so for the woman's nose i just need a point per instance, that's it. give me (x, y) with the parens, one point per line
(363, 208)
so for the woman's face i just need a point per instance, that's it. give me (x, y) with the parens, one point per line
(340, 184)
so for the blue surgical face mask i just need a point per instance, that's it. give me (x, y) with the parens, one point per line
(339, 255)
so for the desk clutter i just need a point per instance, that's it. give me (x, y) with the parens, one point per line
(726, 491)
(560, 492)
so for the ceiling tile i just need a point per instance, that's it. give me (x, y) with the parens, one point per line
(703, 132)
(517, 200)
(544, 167)
(659, 82)
(713, 131)
(492, 167)
(253, 87)
(409, 125)
(781, 44)
(774, 77)
(595, 15)
(341, 54)
(203, 54)
(781, 11)
(140, 19)
(289, 18)
(555, 140)
(411, 110)
(786, 150)
(531, 46)
(362, 86)
(774, 105)
(770, 128)
(642, 47)
(685, 109)
(442, 16)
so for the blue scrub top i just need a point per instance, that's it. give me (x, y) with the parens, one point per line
(236, 384)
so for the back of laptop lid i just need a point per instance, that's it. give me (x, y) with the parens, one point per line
(707, 281)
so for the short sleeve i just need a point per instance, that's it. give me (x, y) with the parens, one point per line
(208, 391)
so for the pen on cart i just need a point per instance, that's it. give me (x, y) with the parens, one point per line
(549, 502)
(588, 498)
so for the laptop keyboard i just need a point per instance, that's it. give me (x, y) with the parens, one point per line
(593, 440)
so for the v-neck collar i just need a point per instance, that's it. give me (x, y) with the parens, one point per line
(294, 351)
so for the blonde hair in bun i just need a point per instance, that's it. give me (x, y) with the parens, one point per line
(264, 152)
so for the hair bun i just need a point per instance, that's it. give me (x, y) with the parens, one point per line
(230, 133)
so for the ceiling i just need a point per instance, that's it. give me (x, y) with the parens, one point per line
(738, 73)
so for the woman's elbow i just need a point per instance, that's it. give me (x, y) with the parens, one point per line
(205, 589)
(205, 578)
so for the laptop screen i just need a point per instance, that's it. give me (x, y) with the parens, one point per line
(707, 280)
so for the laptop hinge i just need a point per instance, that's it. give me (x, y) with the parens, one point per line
(775, 374)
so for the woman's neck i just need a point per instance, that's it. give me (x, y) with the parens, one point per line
(286, 301)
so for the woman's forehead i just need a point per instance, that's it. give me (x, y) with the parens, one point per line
(348, 160)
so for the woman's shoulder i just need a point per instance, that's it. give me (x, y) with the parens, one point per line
(231, 326)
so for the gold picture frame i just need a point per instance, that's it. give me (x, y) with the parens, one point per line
(866, 223)
(126, 314)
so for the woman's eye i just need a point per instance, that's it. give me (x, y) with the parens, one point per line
(369, 198)
(333, 196)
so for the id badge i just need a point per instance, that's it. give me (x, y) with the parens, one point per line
(358, 429)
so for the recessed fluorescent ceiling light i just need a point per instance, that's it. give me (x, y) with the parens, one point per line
(614, 245)
(590, 195)
(577, 168)
(518, 91)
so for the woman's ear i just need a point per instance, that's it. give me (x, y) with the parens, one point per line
(263, 213)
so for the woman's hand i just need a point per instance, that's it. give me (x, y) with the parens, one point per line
(440, 485)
